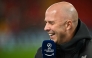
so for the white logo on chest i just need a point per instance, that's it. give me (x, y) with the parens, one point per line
(84, 56)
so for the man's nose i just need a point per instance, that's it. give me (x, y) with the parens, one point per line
(47, 27)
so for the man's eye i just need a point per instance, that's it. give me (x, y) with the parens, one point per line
(51, 23)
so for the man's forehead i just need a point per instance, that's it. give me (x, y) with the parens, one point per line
(53, 15)
(50, 15)
(49, 19)
(51, 12)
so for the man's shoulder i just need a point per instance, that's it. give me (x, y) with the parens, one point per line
(39, 53)
(86, 51)
(39, 49)
(89, 49)
(89, 46)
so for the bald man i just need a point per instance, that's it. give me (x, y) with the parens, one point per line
(69, 33)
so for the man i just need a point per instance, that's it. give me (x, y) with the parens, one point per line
(68, 32)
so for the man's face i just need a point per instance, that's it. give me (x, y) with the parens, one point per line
(55, 27)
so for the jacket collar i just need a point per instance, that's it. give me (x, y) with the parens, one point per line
(81, 35)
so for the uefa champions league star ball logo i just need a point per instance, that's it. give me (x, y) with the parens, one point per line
(49, 45)
(49, 51)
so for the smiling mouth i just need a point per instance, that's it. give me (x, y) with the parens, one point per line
(51, 34)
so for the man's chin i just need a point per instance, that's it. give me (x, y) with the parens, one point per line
(53, 40)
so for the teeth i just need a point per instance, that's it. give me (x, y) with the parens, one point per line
(50, 34)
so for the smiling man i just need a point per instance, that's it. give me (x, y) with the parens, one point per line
(69, 33)
(61, 21)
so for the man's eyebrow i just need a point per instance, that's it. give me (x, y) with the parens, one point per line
(51, 22)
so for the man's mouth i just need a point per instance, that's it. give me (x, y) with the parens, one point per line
(51, 34)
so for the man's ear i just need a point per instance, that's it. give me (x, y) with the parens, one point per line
(68, 25)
